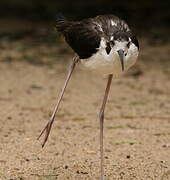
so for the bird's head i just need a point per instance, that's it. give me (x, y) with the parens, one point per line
(123, 43)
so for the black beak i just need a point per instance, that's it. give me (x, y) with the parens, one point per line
(121, 55)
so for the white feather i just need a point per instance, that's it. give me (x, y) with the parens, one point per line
(113, 23)
(104, 63)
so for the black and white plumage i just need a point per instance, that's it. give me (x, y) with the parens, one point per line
(98, 40)
(104, 44)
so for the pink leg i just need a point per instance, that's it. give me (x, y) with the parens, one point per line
(101, 118)
(48, 126)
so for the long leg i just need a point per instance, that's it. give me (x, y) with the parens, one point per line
(101, 118)
(48, 126)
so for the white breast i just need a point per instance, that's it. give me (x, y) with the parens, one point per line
(104, 63)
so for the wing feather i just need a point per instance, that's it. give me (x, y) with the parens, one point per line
(84, 36)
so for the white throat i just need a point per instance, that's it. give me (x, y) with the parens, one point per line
(104, 63)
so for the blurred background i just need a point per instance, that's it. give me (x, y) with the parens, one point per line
(25, 25)
(31, 23)
(142, 14)
(35, 19)
(34, 61)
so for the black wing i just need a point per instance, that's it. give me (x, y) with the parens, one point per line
(83, 36)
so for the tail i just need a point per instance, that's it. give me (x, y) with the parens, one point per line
(61, 23)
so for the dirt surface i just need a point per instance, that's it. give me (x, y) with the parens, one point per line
(137, 119)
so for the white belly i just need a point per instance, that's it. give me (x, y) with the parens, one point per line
(104, 63)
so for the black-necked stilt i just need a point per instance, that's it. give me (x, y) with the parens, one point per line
(104, 44)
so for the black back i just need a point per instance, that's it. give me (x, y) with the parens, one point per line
(84, 36)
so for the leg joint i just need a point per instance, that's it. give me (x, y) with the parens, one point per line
(101, 115)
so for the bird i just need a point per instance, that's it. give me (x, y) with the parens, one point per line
(104, 44)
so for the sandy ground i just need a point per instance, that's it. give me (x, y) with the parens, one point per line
(137, 122)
